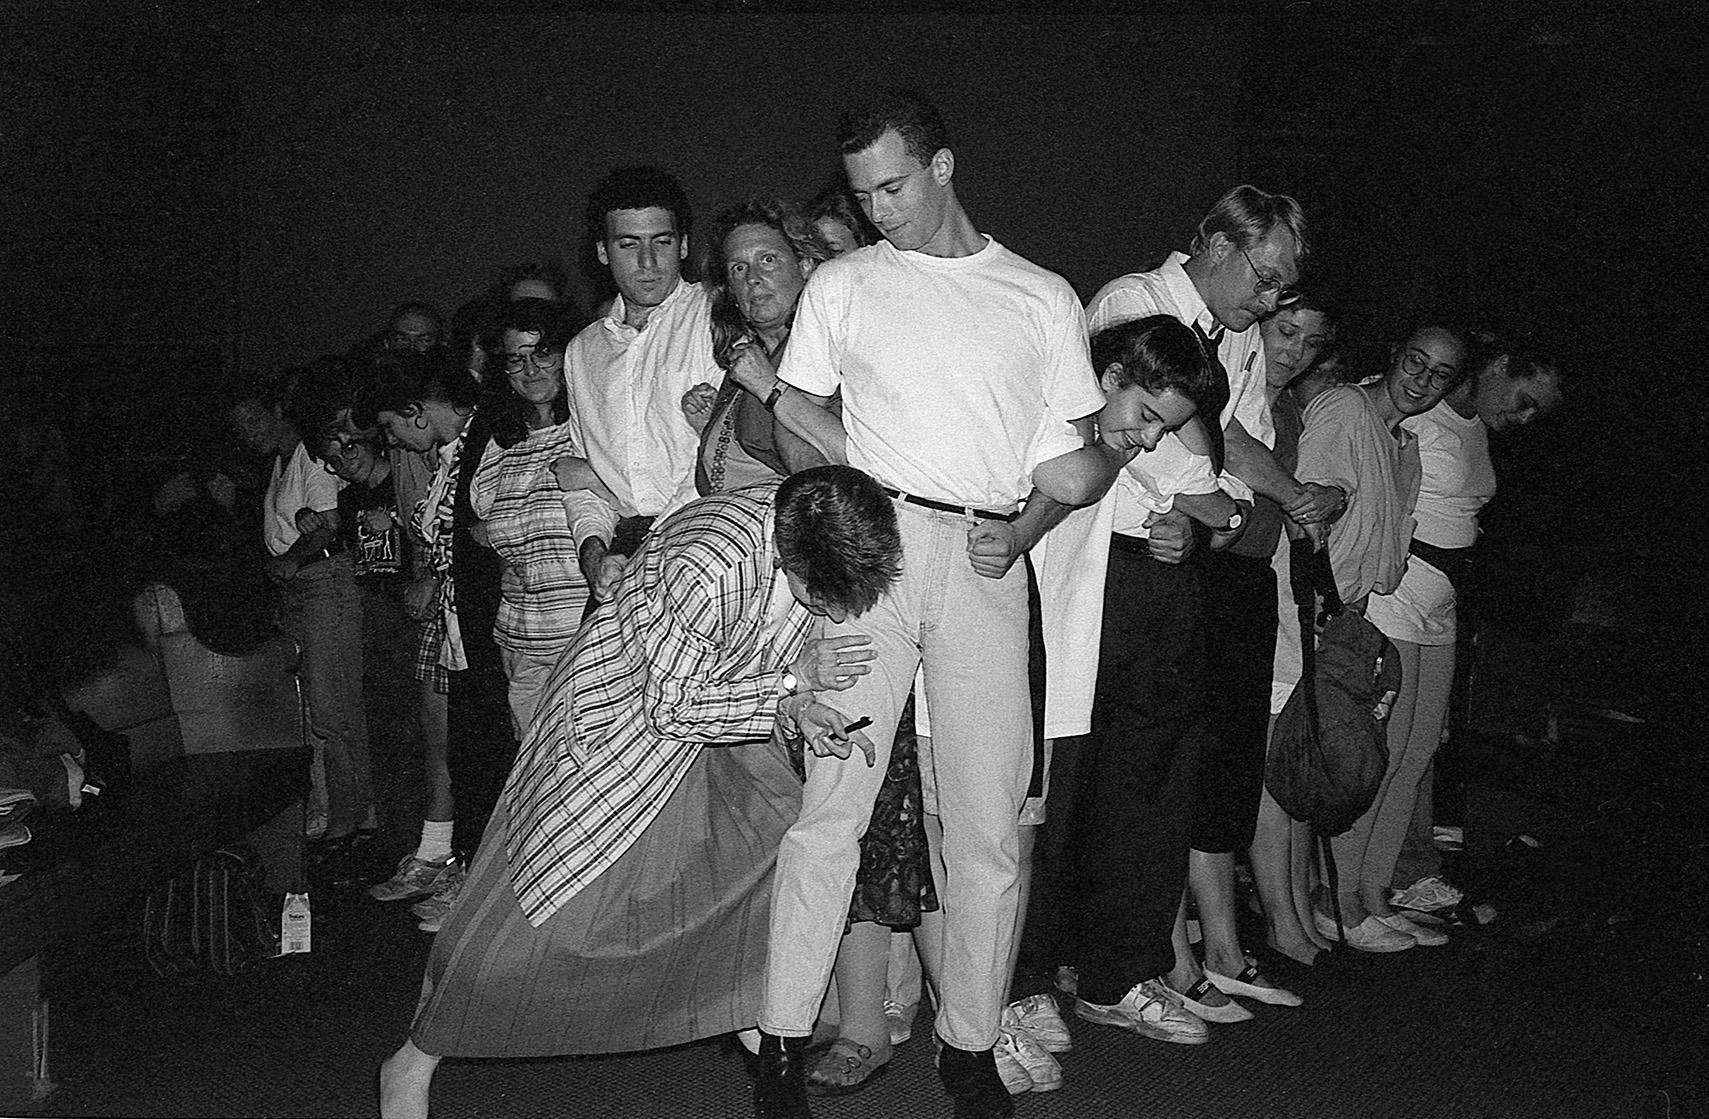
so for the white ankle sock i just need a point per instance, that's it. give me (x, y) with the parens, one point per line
(435, 841)
(750, 1040)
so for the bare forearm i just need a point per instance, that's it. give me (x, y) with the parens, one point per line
(1255, 464)
(804, 416)
(1040, 514)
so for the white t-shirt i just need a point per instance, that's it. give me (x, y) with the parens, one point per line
(958, 373)
(1458, 481)
(297, 482)
(1168, 290)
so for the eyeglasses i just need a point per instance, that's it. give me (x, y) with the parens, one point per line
(1269, 285)
(549, 362)
(1413, 363)
(342, 448)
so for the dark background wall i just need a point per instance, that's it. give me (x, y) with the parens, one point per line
(419, 163)
(195, 197)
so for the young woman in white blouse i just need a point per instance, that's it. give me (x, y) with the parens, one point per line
(1509, 386)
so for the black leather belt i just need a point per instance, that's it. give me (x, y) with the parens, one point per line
(946, 507)
(1455, 563)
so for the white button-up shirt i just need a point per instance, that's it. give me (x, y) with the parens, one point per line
(626, 388)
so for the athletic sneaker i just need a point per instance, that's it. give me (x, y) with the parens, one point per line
(432, 910)
(416, 878)
(1039, 1017)
(1023, 1064)
(1150, 1010)
(1427, 895)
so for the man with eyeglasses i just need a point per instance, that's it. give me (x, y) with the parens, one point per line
(629, 370)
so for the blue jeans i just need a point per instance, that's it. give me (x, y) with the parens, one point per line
(321, 609)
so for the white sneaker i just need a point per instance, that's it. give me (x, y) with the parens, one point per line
(1429, 938)
(900, 1019)
(1150, 1011)
(1427, 895)
(1039, 1017)
(1023, 1064)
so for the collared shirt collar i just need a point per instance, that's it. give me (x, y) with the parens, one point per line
(614, 322)
(1186, 294)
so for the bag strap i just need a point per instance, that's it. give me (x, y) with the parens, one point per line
(1323, 579)
(1332, 879)
(1302, 579)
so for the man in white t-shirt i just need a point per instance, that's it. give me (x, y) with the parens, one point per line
(627, 371)
(959, 363)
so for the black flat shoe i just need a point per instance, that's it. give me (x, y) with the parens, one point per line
(780, 1083)
(972, 1082)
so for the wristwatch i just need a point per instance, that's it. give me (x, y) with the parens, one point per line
(1235, 520)
(770, 401)
(789, 683)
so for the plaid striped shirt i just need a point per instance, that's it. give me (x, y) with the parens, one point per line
(516, 495)
(687, 655)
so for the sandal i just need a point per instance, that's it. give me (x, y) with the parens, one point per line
(1192, 998)
(846, 1067)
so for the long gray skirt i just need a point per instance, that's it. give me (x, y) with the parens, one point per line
(666, 946)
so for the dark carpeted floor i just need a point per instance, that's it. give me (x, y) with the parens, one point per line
(1588, 998)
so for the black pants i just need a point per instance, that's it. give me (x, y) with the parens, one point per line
(480, 747)
(1127, 830)
(1240, 642)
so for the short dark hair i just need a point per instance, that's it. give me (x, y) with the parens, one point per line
(1161, 353)
(1527, 357)
(324, 396)
(837, 531)
(398, 380)
(903, 111)
(415, 307)
(637, 188)
(545, 272)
